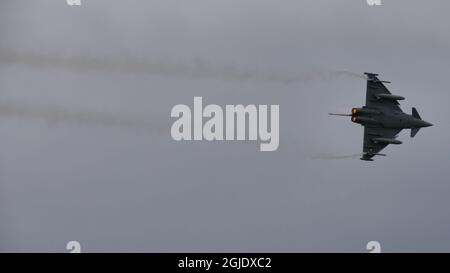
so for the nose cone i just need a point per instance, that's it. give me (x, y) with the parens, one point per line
(426, 124)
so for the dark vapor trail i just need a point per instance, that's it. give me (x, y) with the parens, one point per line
(350, 74)
(123, 64)
(57, 114)
(326, 156)
(197, 70)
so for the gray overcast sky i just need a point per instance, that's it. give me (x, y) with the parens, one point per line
(119, 188)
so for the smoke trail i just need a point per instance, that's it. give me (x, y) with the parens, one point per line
(55, 114)
(197, 70)
(351, 74)
(326, 156)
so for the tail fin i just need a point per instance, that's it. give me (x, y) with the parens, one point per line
(415, 113)
(414, 131)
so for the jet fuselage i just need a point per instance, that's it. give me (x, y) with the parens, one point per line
(387, 119)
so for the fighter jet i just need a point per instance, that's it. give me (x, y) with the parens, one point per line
(382, 118)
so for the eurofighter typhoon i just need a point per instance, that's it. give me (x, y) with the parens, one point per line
(383, 118)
